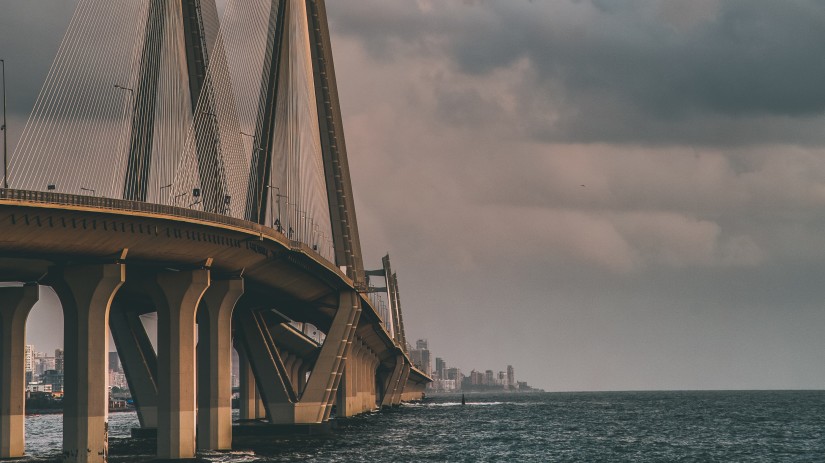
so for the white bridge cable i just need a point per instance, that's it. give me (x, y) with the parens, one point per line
(120, 83)
(75, 120)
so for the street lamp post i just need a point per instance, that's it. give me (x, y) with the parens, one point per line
(178, 196)
(279, 196)
(5, 130)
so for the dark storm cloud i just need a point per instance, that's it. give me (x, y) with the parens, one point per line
(31, 32)
(638, 71)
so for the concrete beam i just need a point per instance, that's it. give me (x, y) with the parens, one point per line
(86, 294)
(15, 305)
(215, 364)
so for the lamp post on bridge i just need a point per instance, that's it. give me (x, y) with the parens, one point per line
(178, 196)
(279, 227)
(5, 130)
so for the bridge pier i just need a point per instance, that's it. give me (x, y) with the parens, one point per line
(215, 364)
(86, 293)
(275, 372)
(176, 296)
(15, 305)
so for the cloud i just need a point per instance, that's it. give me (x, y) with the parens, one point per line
(738, 72)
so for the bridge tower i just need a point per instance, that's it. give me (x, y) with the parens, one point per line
(160, 32)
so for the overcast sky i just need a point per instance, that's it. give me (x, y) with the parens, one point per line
(605, 194)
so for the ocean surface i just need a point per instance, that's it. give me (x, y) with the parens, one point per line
(759, 426)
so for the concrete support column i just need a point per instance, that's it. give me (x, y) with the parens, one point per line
(246, 379)
(251, 403)
(295, 371)
(215, 364)
(402, 384)
(392, 381)
(15, 304)
(289, 360)
(137, 356)
(176, 296)
(86, 293)
(302, 376)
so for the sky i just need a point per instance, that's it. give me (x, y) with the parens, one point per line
(607, 195)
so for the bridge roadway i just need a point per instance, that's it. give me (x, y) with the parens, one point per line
(207, 276)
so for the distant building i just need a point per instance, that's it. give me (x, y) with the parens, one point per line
(489, 378)
(454, 374)
(54, 378)
(38, 387)
(420, 357)
(43, 364)
(59, 362)
(511, 377)
(28, 361)
(440, 367)
(117, 379)
(114, 362)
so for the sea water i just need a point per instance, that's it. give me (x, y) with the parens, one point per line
(749, 426)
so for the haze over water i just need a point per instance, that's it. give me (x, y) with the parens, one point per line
(749, 426)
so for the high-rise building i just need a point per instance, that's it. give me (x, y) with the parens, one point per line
(42, 364)
(440, 368)
(114, 362)
(59, 363)
(420, 356)
(489, 378)
(29, 359)
(511, 377)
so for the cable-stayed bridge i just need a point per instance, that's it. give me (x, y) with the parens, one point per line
(193, 165)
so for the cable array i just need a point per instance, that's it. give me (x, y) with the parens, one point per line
(125, 112)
